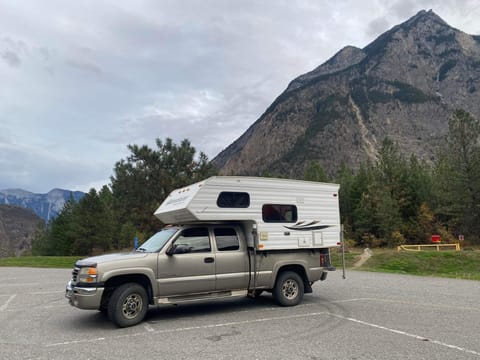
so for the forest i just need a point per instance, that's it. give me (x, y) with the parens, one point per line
(394, 200)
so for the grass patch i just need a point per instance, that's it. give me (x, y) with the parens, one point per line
(451, 264)
(40, 261)
(351, 257)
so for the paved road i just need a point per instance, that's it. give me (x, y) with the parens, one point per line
(367, 316)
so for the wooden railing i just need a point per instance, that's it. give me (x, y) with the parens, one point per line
(437, 247)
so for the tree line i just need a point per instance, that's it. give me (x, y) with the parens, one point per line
(404, 200)
(111, 218)
(395, 200)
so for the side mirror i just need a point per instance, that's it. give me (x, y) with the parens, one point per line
(171, 250)
(178, 249)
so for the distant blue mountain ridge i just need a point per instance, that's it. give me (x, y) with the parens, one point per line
(47, 206)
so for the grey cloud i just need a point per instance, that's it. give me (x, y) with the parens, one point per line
(11, 58)
(210, 120)
(11, 50)
(85, 66)
(463, 12)
(27, 166)
(45, 53)
(377, 26)
(15, 52)
(13, 44)
(403, 9)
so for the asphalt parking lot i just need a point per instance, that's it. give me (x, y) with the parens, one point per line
(366, 316)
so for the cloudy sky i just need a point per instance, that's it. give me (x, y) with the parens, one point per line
(80, 80)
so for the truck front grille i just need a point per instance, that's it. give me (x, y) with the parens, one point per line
(75, 274)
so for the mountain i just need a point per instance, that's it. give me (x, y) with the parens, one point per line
(47, 206)
(17, 229)
(404, 85)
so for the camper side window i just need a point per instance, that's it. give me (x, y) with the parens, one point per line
(227, 239)
(230, 199)
(193, 240)
(279, 213)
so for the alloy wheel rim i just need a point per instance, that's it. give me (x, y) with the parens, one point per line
(290, 289)
(132, 306)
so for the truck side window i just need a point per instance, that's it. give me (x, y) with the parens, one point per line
(193, 240)
(230, 199)
(227, 239)
(279, 213)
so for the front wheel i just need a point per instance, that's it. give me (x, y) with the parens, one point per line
(128, 305)
(288, 290)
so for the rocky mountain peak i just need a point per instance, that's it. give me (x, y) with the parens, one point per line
(346, 57)
(423, 17)
(404, 85)
(47, 206)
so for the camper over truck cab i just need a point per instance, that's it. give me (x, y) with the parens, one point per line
(288, 214)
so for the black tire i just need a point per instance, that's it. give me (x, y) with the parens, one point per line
(288, 290)
(128, 305)
(103, 310)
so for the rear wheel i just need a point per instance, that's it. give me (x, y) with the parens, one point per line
(128, 305)
(288, 290)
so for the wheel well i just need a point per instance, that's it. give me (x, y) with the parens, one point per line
(300, 270)
(116, 281)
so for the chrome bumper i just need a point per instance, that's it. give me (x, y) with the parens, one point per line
(83, 297)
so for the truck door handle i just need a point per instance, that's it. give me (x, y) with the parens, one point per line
(209, 260)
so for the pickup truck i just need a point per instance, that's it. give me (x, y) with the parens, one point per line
(193, 262)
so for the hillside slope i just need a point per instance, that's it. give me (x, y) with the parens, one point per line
(17, 229)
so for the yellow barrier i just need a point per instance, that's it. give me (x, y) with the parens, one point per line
(428, 246)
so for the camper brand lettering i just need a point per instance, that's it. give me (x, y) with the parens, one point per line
(176, 201)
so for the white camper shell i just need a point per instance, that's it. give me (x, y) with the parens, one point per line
(286, 214)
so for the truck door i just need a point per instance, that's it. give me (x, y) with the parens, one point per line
(231, 261)
(191, 267)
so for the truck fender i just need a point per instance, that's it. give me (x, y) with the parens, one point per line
(298, 266)
(131, 272)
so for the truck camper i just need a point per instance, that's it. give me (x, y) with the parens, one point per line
(225, 236)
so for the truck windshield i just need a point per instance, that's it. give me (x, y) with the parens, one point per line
(157, 241)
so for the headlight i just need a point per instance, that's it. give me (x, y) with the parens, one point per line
(87, 274)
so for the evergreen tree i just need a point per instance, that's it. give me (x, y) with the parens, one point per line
(91, 225)
(142, 181)
(384, 199)
(126, 235)
(418, 220)
(357, 193)
(111, 225)
(59, 235)
(458, 176)
(346, 178)
(315, 172)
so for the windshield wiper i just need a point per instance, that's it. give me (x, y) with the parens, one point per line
(141, 249)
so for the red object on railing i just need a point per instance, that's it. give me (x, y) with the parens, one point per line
(436, 239)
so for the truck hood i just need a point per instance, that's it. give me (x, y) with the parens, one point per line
(110, 258)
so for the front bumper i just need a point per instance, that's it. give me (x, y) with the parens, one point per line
(84, 297)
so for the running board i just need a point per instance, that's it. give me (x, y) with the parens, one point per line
(200, 297)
